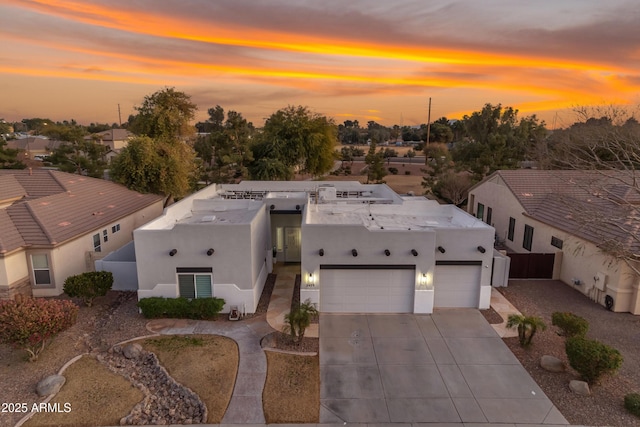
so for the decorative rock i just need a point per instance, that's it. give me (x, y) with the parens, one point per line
(580, 387)
(551, 364)
(50, 385)
(132, 351)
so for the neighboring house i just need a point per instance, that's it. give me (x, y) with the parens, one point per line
(54, 224)
(573, 215)
(361, 248)
(34, 147)
(114, 139)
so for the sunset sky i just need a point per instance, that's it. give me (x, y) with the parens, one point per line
(364, 60)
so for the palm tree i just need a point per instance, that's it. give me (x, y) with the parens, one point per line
(527, 327)
(298, 320)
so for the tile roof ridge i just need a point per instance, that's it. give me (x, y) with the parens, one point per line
(58, 180)
(40, 224)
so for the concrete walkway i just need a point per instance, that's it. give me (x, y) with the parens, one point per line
(280, 303)
(246, 402)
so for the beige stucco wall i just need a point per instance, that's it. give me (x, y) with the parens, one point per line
(77, 256)
(579, 259)
(13, 268)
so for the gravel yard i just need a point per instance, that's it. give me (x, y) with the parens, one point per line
(619, 330)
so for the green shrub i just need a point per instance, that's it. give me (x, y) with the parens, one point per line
(88, 286)
(181, 308)
(592, 359)
(393, 171)
(30, 323)
(632, 403)
(570, 324)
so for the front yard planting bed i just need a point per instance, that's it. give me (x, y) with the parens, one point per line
(96, 396)
(292, 389)
(207, 364)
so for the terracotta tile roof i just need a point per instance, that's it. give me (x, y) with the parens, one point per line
(10, 188)
(62, 206)
(602, 207)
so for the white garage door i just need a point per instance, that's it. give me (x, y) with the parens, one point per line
(366, 291)
(457, 285)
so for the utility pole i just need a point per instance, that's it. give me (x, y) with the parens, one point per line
(119, 115)
(426, 144)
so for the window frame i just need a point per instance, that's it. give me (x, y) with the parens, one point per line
(511, 232)
(489, 215)
(35, 283)
(557, 242)
(97, 243)
(115, 228)
(480, 211)
(194, 283)
(527, 238)
(105, 235)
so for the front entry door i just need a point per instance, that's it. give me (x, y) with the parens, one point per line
(292, 244)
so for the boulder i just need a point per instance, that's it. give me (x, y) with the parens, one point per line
(132, 351)
(551, 364)
(580, 387)
(50, 385)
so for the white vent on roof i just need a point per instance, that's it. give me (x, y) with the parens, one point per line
(208, 218)
(219, 208)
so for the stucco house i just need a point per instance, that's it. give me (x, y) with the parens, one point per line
(54, 225)
(580, 217)
(361, 248)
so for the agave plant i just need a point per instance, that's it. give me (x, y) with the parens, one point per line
(527, 327)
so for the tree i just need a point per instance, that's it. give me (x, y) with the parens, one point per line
(453, 187)
(164, 114)
(438, 161)
(603, 148)
(298, 320)
(157, 167)
(495, 140)
(9, 157)
(77, 155)
(527, 327)
(375, 164)
(297, 139)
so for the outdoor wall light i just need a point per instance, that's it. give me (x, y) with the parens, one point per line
(481, 249)
(272, 207)
(172, 252)
(441, 249)
(387, 252)
(354, 252)
(423, 279)
(414, 252)
(312, 280)
(297, 207)
(210, 251)
(321, 252)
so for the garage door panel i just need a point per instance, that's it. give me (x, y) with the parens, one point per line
(457, 285)
(366, 290)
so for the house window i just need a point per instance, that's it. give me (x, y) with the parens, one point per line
(96, 243)
(489, 214)
(480, 211)
(41, 271)
(195, 285)
(556, 242)
(115, 228)
(105, 236)
(528, 237)
(512, 228)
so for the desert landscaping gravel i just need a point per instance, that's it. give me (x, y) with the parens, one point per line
(115, 318)
(605, 406)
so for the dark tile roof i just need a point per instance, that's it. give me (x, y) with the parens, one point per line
(61, 206)
(602, 207)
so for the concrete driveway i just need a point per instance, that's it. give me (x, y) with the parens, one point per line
(448, 367)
